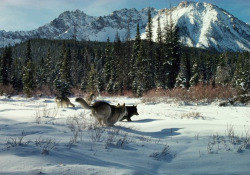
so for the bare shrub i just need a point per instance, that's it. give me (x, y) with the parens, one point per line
(192, 115)
(45, 112)
(77, 90)
(112, 134)
(45, 90)
(164, 154)
(230, 142)
(16, 141)
(46, 144)
(95, 132)
(7, 89)
(77, 124)
(194, 94)
(122, 141)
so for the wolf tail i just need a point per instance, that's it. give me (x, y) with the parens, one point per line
(83, 103)
(72, 104)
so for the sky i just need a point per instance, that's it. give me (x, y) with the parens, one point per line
(24, 15)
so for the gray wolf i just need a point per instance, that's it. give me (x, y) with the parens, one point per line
(90, 98)
(63, 102)
(131, 110)
(104, 112)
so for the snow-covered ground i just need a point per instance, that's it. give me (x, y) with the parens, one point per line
(166, 138)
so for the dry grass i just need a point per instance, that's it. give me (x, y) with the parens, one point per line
(192, 115)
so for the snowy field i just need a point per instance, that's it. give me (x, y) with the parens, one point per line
(166, 138)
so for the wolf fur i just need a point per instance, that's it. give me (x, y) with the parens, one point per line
(63, 102)
(90, 98)
(104, 112)
(131, 110)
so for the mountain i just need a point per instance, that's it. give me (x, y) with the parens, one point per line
(76, 24)
(204, 25)
(201, 25)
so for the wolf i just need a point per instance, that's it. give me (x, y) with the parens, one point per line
(63, 102)
(105, 113)
(131, 110)
(90, 98)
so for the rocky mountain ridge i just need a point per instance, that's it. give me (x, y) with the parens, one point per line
(201, 25)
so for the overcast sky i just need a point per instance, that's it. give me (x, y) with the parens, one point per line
(31, 14)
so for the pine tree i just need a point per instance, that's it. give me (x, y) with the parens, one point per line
(107, 62)
(6, 66)
(128, 64)
(28, 52)
(148, 59)
(140, 72)
(40, 74)
(28, 72)
(188, 69)
(28, 78)
(242, 73)
(195, 75)
(181, 80)
(66, 69)
(222, 73)
(48, 69)
(118, 66)
(63, 81)
(16, 78)
(92, 80)
(134, 60)
(172, 52)
(159, 78)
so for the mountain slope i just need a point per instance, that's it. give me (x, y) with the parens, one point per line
(205, 25)
(202, 25)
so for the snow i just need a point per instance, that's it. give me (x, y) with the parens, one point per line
(167, 137)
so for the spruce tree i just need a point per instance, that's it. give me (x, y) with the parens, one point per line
(140, 72)
(63, 81)
(118, 66)
(28, 78)
(5, 66)
(29, 83)
(92, 80)
(194, 80)
(48, 64)
(134, 59)
(159, 77)
(181, 80)
(107, 62)
(28, 52)
(172, 52)
(242, 73)
(16, 78)
(148, 59)
(128, 64)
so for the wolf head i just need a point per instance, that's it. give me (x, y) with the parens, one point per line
(123, 108)
(131, 110)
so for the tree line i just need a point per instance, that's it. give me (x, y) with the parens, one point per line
(137, 65)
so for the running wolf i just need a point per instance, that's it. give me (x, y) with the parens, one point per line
(63, 102)
(104, 112)
(131, 110)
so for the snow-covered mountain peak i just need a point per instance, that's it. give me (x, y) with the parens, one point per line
(201, 25)
(205, 25)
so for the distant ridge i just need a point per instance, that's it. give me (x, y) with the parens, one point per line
(202, 25)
